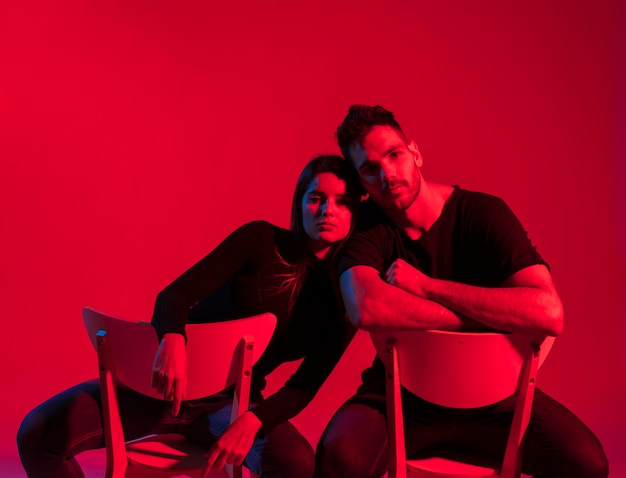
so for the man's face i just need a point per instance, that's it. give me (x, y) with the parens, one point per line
(388, 167)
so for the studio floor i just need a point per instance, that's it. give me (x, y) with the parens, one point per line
(93, 466)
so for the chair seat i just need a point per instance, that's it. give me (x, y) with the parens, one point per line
(439, 467)
(166, 452)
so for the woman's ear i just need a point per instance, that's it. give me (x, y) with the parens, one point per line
(416, 154)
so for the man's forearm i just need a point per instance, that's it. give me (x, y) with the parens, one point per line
(375, 305)
(522, 309)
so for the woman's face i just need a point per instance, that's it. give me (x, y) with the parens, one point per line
(326, 214)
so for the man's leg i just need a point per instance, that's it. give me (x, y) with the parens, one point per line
(354, 444)
(559, 444)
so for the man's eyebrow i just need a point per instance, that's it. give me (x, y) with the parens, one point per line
(392, 148)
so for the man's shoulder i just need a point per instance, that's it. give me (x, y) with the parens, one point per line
(469, 202)
(471, 196)
(371, 215)
(374, 232)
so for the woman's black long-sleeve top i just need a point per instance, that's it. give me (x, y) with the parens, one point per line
(244, 276)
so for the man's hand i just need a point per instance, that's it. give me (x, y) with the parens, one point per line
(169, 372)
(408, 278)
(233, 446)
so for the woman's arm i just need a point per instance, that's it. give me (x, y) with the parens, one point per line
(169, 374)
(310, 375)
(206, 276)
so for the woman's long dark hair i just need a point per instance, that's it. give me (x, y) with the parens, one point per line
(325, 164)
(354, 192)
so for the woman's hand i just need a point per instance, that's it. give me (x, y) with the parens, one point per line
(234, 444)
(169, 372)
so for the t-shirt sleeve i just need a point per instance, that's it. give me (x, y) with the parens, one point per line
(206, 276)
(364, 248)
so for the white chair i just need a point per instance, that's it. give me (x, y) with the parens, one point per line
(459, 370)
(219, 355)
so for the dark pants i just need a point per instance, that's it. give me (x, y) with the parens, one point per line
(57, 430)
(558, 444)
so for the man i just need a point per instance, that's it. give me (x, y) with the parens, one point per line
(434, 256)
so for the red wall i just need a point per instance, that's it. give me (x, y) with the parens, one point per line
(134, 135)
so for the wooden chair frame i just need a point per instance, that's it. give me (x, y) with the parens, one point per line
(525, 357)
(125, 352)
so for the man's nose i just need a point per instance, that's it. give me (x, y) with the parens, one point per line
(387, 173)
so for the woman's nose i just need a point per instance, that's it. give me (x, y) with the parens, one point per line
(327, 209)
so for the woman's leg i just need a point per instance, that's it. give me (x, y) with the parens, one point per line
(52, 434)
(282, 452)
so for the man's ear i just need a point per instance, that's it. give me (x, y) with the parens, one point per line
(416, 154)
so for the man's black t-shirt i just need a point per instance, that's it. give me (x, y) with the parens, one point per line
(476, 240)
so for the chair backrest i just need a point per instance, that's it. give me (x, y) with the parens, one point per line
(134, 346)
(459, 369)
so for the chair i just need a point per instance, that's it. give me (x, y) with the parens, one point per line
(459, 370)
(219, 355)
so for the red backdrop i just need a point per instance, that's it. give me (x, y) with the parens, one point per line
(134, 135)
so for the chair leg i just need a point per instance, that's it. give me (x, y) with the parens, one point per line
(395, 422)
(511, 466)
(242, 392)
(116, 462)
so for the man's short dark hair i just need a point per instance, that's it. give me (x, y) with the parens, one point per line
(358, 123)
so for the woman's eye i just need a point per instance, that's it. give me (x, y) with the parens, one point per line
(368, 170)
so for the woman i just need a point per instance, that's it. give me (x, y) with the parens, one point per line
(258, 268)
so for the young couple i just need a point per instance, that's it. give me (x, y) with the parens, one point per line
(423, 255)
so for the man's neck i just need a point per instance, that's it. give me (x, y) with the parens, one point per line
(425, 210)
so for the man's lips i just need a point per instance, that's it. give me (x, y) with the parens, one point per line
(393, 189)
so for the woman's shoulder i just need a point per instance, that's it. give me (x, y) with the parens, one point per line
(262, 233)
(262, 229)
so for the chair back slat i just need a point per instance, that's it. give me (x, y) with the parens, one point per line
(459, 369)
(134, 346)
